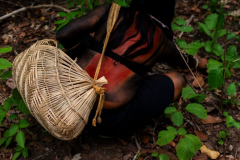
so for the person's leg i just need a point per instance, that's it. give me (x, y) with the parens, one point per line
(179, 83)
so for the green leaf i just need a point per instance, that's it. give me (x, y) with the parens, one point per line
(18, 148)
(62, 25)
(188, 146)
(60, 22)
(215, 78)
(22, 107)
(185, 29)
(197, 109)
(71, 4)
(25, 152)
(188, 93)
(198, 98)
(154, 154)
(20, 138)
(23, 123)
(174, 27)
(180, 21)
(6, 75)
(165, 137)
(182, 131)
(208, 46)
(6, 134)
(163, 157)
(7, 105)
(13, 101)
(231, 54)
(231, 89)
(13, 129)
(211, 21)
(222, 134)
(220, 142)
(182, 43)
(236, 124)
(4, 64)
(170, 110)
(177, 118)
(2, 140)
(16, 95)
(204, 28)
(12, 116)
(195, 45)
(9, 140)
(192, 51)
(214, 65)
(221, 33)
(16, 155)
(90, 5)
(5, 49)
(172, 130)
(217, 49)
(231, 35)
(2, 116)
(60, 46)
(63, 14)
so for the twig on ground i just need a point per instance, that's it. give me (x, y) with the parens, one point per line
(33, 7)
(191, 85)
(236, 154)
(12, 3)
(154, 130)
(138, 146)
(192, 124)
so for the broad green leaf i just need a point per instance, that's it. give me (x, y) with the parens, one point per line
(9, 140)
(231, 54)
(231, 35)
(188, 93)
(16, 155)
(195, 45)
(192, 51)
(231, 89)
(174, 27)
(198, 98)
(180, 21)
(2, 140)
(225, 114)
(221, 33)
(211, 21)
(71, 4)
(18, 148)
(6, 134)
(60, 22)
(222, 134)
(182, 131)
(172, 130)
(12, 116)
(214, 65)
(197, 109)
(220, 142)
(188, 146)
(22, 107)
(177, 118)
(7, 105)
(163, 157)
(4, 64)
(20, 138)
(90, 5)
(170, 110)
(60, 46)
(25, 152)
(154, 154)
(5, 49)
(2, 116)
(13, 129)
(238, 103)
(23, 123)
(219, 26)
(63, 14)
(165, 137)
(13, 101)
(185, 28)
(215, 78)
(16, 95)
(208, 46)
(217, 49)
(182, 43)
(204, 28)
(62, 25)
(6, 75)
(236, 124)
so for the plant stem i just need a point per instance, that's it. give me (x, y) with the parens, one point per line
(224, 69)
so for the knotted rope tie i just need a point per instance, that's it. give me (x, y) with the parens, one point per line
(100, 91)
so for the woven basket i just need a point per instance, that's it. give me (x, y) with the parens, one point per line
(58, 93)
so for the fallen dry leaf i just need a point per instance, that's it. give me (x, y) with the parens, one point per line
(23, 24)
(211, 120)
(211, 153)
(202, 136)
(200, 80)
(145, 139)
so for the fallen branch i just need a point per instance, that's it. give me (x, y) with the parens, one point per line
(33, 7)
(138, 146)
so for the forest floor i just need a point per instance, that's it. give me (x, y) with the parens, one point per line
(23, 29)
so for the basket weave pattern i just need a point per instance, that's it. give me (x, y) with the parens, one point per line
(58, 93)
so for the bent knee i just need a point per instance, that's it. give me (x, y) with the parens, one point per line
(179, 83)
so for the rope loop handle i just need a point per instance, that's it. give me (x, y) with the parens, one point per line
(112, 18)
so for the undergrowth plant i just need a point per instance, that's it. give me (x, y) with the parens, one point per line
(16, 124)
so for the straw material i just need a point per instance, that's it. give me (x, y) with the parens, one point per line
(58, 93)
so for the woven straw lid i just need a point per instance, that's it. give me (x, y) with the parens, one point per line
(58, 93)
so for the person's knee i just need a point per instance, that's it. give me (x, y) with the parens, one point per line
(179, 83)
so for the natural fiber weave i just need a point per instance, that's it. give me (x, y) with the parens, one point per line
(58, 93)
